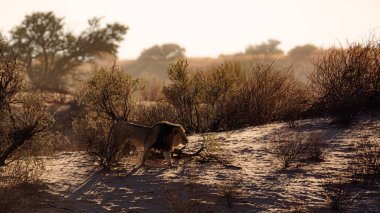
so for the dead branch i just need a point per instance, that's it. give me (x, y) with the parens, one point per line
(179, 154)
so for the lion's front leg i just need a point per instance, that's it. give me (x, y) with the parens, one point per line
(168, 157)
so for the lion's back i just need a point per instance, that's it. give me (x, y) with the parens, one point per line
(136, 134)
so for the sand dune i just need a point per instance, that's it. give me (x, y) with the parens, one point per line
(75, 185)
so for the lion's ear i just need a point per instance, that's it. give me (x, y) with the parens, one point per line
(175, 130)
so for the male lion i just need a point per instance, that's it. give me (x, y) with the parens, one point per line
(162, 136)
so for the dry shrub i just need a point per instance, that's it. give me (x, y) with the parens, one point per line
(297, 148)
(288, 149)
(346, 81)
(24, 124)
(230, 192)
(297, 103)
(93, 133)
(26, 171)
(106, 98)
(265, 94)
(233, 95)
(220, 83)
(23, 115)
(150, 113)
(338, 194)
(109, 93)
(313, 150)
(365, 164)
(185, 94)
(27, 125)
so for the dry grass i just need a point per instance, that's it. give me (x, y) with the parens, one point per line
(184, 199)
(365, 164)
(338, 194)
(16, 178)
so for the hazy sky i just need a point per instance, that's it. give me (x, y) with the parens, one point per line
(212, 27)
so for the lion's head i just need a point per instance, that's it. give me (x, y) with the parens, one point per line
(169, 136)
(179, 136)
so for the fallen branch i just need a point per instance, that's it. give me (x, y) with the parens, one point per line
(178, 154)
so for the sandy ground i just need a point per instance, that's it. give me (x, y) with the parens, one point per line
(75, 185)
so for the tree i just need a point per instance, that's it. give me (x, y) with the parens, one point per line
(23, 116)
(163, 52)
(270, 47)
(302, 52)
(49, 53)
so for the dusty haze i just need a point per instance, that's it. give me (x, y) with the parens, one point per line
(209, 28)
